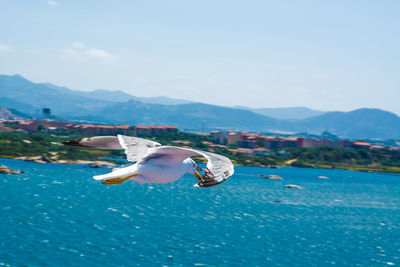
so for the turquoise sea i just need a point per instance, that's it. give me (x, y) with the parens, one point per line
(56, 215)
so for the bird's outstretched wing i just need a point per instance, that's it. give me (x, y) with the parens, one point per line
(218, 169)
(136, 148)
(97, 142)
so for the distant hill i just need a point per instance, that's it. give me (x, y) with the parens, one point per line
(359, 123)
(61, 101)
(291, 113)
(188, 116)
(17, 105)
(11, 114)
(119, 96)
(114, 107)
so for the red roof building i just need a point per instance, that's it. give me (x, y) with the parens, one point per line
(154, 130)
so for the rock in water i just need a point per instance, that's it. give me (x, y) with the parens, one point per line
(101, 164)
(274, 177)
(271, 176)
(293, 186)
(45, 159)
(37, 159)
(6, 170)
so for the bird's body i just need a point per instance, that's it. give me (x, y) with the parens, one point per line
(154, 171)
(155, 163)
(160, 173)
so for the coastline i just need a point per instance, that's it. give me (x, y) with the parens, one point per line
(39, 159)
(95, 163)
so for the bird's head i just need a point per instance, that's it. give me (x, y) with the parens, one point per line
(193, 168)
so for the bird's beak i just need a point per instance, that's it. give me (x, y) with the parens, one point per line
(198, 176)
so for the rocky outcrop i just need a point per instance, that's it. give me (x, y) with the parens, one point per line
(271, 176)
(293, 186)
(90, 163)
(6, 170)
(53, 159)
(37, 159)
(98, 165)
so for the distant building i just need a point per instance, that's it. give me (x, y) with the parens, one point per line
(247, 144)
(52, 126)
(154, 130)
(335, 143)
(248, 140)
(142, 130)
(313, 142)
(361, 145)
(288, 142)
(46, 113)
(218, 137)
(91, 129)
(232, 139)
(272, 142)
(34, 125)
(243, 151)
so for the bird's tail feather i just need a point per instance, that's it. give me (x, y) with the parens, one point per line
(116, 173)
(104, 176)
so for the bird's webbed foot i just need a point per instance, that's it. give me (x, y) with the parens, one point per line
(117, 180)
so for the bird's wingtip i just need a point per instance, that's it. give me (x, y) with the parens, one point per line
(100, 177)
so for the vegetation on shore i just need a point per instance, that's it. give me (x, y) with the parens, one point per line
(15, 144)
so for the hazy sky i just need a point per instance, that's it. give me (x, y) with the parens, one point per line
(327, 55)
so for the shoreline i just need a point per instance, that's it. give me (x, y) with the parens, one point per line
(111, 164)
(39, 159)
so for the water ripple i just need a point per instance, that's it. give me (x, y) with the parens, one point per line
(56, 215)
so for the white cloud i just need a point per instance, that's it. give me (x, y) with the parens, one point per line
(98, 53)
(78, 51)
(5, 48)
(78, 45)
(52, 3)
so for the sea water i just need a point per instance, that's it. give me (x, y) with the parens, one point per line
(57, 215)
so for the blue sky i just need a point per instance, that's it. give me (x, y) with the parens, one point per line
(327, 55)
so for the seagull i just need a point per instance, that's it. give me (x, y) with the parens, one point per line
(154, 163)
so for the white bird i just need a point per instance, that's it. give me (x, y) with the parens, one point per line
(155, 163)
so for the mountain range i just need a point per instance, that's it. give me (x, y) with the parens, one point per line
(116, 107)
(296, 113)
